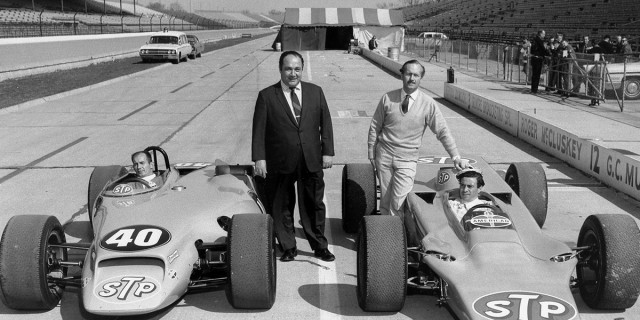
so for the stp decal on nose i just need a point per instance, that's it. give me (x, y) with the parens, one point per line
(523, 305)
(127, 289)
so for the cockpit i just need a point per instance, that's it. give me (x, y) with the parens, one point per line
(130, 184)
(485, 215)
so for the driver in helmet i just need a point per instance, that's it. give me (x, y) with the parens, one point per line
(471, 183)
(143, 166)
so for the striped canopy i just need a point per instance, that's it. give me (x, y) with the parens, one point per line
(342, 17)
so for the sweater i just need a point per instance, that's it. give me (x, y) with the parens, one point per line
(401, 134)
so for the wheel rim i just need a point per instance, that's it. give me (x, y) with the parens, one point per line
(632, 88)
(52, 265)
(589, 269)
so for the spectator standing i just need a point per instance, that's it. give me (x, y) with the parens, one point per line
(554, 67)
(605, 45)
(618, 46)
(373, 43)
(524, 54)
(585, 45)
(539, 53)
(565, 68)
(626, 47)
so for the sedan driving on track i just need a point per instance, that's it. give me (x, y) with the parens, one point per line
(196, 45)
(168, 45)
(494, 262)
(202, 227)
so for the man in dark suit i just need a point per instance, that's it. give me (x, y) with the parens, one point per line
(539, 52)
(292, 141)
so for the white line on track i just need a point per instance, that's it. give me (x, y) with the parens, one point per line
(328, 274)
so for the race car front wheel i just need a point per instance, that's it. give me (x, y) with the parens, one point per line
(358, 194)
(98, 180)
(608, 275)
(529, 181)
(251, 262)
(27, 260)
(382, 264)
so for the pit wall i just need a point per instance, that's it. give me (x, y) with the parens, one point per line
(28, 56)
(609, 166)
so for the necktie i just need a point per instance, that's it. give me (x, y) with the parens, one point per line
(405, 104)
(297, 109)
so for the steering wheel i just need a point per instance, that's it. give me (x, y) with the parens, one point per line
(473, 211)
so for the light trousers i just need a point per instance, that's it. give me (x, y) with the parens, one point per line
(396, 176)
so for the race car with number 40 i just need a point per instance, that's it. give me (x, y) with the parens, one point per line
(494, 263)
(203, 227)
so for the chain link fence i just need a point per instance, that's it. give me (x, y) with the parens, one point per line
(40, 24)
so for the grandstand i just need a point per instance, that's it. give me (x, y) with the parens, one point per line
(19, 18)
(517, 18)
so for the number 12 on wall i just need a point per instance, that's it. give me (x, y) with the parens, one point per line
(593, 163)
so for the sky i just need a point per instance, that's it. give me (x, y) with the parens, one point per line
(264, 6)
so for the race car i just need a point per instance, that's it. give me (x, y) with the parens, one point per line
(495, 262)
(202, 227)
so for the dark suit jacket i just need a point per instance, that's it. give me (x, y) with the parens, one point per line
(277, 137)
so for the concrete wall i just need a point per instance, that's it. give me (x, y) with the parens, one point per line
(25, 56)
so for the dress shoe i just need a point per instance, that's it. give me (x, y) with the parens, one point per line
(324, 254)
(289, 254)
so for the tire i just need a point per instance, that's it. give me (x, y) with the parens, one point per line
(632, 88)
(192, 56)
(251, 262)
(358, 194)
(382, 264)
(199, 55)
(529, 181)
(608, 275)
(23, 262)
(100, 177)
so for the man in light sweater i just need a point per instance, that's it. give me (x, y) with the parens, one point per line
(395, 136)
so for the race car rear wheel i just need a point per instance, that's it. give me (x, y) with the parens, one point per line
(27, 260)
(608, 275)
(382, 264)
(98, 180)
(251, 262)
(358, 194)
(529, 181)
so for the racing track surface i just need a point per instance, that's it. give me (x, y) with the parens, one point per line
(201, 111)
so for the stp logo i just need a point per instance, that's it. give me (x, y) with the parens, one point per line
(443, 177)
(127, 288)
(522, 305)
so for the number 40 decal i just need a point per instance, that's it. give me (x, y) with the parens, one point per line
(135, 238)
